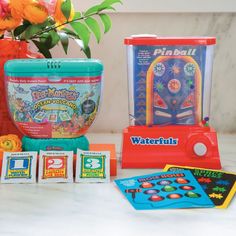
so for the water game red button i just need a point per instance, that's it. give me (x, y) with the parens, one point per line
(154, 40)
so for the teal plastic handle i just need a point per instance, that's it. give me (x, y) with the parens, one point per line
(47, 67)
(53, 144)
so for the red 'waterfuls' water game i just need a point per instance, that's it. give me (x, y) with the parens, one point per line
(169, 102)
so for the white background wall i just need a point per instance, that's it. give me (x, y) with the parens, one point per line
(166, 6)
(114, 110)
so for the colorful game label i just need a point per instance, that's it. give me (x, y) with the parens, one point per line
(166, 190)
(219, 185)
(55, 167)
(19, 167)
(168, 84)
(92, 166)
(45, 109)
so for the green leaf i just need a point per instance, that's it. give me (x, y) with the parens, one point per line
(109, 3)
(80, 43)
(20, 29)
(105, 5)
(82, 31)
(109, 8)
(31, 31)
(99, 8)
(94, 27)
(55, 38)
(92, 10)
(42, 49)
(70, 32)
(77, 15)
(106, 22)
(66, 8)
(26, 22)
(64, 41)
(46, 23)
(47, 41)
(87, 52)
(50, 39)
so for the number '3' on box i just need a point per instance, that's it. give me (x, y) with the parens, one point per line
(92, 166)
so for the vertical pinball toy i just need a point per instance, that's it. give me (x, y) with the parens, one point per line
(53, 102)
(169, 102)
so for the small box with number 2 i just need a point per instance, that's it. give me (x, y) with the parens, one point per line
(55, 167)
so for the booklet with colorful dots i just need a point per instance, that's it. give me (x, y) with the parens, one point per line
(219, 185)
(166, 190)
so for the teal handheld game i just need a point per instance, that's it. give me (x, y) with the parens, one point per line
(55, 99)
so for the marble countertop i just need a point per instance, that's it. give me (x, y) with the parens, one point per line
(100, 209)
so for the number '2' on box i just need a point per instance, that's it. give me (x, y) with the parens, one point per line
(56, 167)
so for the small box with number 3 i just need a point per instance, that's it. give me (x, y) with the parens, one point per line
(92, 166)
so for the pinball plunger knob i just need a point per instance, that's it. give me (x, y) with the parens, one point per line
(200, 149)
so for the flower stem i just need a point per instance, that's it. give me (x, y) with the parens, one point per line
(65, 23)
(13, 36)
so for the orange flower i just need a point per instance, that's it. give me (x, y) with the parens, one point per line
(17, 7)
(59, 16)
(9, 23)
(10, 143)
(35, 13)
